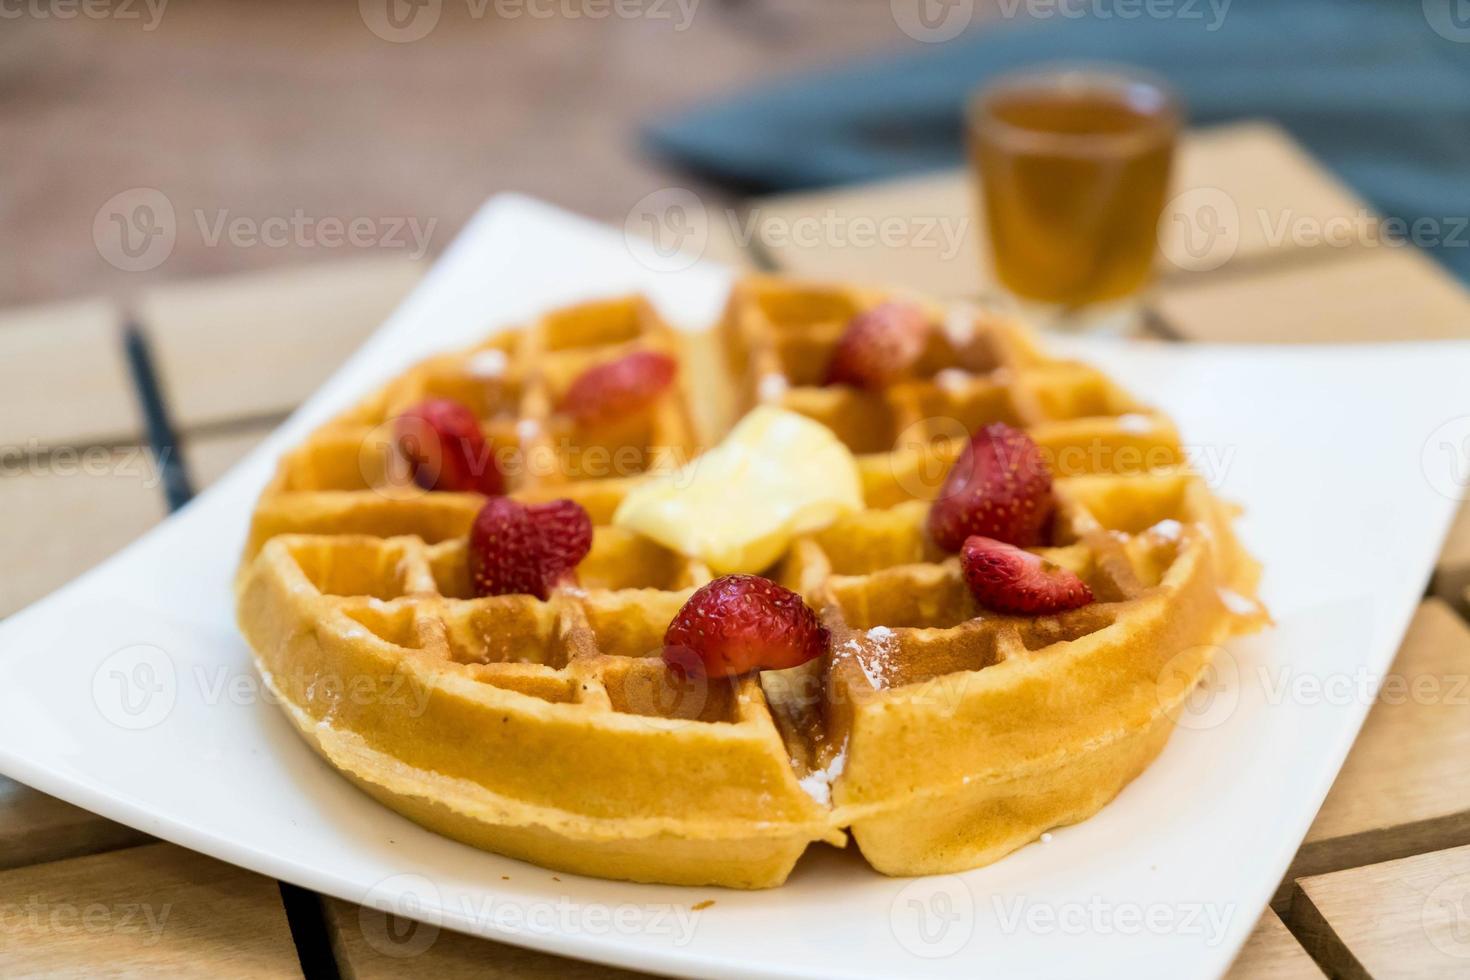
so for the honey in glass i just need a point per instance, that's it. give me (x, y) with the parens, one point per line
(1074, 170)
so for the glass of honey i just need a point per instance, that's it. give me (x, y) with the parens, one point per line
(1073, 165)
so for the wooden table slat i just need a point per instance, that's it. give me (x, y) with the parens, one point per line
(210, 456)
(1404, 788)
(1451, 580)
(145, 912)
(1272, 953)
(67, 511)
(64, 378)
(35, 828)
(255, 345)
(1370, 294)
(1407, 919)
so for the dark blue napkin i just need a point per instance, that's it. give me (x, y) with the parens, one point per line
(1379, 90)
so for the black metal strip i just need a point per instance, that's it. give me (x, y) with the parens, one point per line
(162, 440)
(308, 922)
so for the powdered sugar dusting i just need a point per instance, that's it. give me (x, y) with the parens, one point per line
(1135, 423)
(1239, 604)
(959, 324)
(488, 364)
(874, 658)
(952, 380)
(1168, 529)
(818, 783)
(771, 387)
(527, 430)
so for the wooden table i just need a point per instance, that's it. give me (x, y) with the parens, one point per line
(1380, 887)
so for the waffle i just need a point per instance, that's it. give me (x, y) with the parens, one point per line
(346, 478)
(940, 735)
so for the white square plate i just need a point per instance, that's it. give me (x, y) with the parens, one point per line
(130, 693)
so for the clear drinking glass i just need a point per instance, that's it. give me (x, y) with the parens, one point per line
(1073, 167)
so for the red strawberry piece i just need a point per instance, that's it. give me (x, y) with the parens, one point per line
(607, 392)
(505, 554)
(445, 448)
(566, 535)
(1000, 488)
(1005, 578)
(740, 623)
(518, 549)
(879, 346)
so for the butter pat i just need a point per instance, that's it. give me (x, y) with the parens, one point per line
(737, 507)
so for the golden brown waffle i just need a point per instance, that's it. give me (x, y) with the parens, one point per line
(347, 478)
(955, 734)
(941, 734)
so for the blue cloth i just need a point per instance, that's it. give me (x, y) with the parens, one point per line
(1369, 86)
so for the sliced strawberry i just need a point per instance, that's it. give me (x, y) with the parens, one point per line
(1005, 578)
(566, 535)
(607, 392)
(518, 549)
(879, 346)
(1000, 488)
(505, 551)
(445, 448)
(740, 623)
